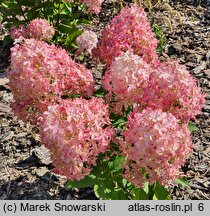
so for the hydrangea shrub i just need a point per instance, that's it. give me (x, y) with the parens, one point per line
(126, 79)
(172, 89)
(40, 74)
(92, 140)
(39, 29)
(17, 32)
(87, 41)
(154, 144)
(76, 132)
(128, 30)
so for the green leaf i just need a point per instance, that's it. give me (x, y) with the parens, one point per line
(160, 192)
(118, 121)
(100, 92)
(183, 182)
(84, 21)
(146, 187)
(104, 186)
(107, 183)
(160, 36)
(118, 194)
(116, 165)
(149, 189)
(80, 57)
(71, 38)
(86, 182)
(192, 127)
(107, 191)
(5, 5)
(68, 7)
(64, 19)
(26, 2)
(7, 40)
(139, 194)
(69, 29)
(125, 182)
(103, 190)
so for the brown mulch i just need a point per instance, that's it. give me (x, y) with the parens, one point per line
(25, 165)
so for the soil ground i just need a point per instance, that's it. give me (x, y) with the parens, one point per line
(25, 165)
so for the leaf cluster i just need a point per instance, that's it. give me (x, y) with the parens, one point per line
(65, 17)
(108, 183)
(161, 38)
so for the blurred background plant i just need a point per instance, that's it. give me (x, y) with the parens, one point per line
(69, 17)
(158, 30)
(62, 15)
